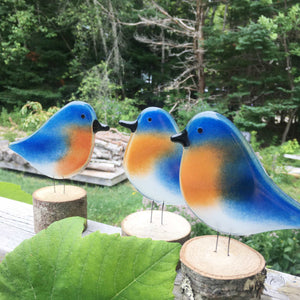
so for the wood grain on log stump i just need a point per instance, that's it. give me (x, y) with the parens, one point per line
(174, 228)
(215, 275)
(51, 204)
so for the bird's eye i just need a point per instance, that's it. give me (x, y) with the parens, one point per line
(82, 116)
(200, 130)
(149, 119)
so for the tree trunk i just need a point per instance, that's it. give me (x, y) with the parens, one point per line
(163, 51)
(225, 16)
(102, 36)
(198, 47)
(116, 52)
(288, 125)
(54, 203)
(211, 274)
(292, 86)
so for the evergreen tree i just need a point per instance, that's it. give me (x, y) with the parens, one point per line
(35, 53)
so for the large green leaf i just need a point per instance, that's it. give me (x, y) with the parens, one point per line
(58, 263)
(15, 192)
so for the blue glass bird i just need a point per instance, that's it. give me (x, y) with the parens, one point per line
(224, 183)
(62, 147)
(151, 160)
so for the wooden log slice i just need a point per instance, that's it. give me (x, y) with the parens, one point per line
(51, 204)
(215, 275)
(175, 228)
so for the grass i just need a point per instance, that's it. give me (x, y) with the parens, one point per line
(109, 205)
(289, 184)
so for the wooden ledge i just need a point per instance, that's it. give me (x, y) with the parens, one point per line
(16, 225)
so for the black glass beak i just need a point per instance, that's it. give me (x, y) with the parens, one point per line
(132, 125)
(182, 138)
(99, 127)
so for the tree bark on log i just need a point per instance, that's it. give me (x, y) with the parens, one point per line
(211, 274)
(53, 203)
(107, 167)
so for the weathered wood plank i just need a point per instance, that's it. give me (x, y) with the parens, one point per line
(293, 171)
(86, 176)
(101, 178)
(292, 156)
(16, 225)
(281, 286)
(278, 286)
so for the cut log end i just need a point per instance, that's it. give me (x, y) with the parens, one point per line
(52, 204)
(174, 228)
(215, 275)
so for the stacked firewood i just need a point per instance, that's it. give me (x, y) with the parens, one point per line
(107, 156)
(109, 150)
(8, 155)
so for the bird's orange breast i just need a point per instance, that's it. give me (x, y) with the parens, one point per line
(81, 142)
(200, 176)
(145, 150)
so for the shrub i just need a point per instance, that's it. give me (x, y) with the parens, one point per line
(10, 118)
(35, 116)
(280, 249)
(99, 91)
(273, 158)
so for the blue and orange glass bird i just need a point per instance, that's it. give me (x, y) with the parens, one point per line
(151, 160)
(224, 183)
(62, 147)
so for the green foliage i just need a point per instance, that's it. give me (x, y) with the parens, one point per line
(10, 136)
(97, 89)
(254, 142)
(281, 249)
(34, 53)
(7, 117)
(250, 117)
(186, 110)
(58, 263)
(15, 192)
(274, 161)
(290, 147)
(52, 51)
(35, 116)
(109, 205)
(200, 228)
(11, 124)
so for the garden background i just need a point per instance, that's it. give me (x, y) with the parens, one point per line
(238, 57)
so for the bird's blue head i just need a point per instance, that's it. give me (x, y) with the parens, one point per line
(206, 127)
(78, 113)
(154, 120)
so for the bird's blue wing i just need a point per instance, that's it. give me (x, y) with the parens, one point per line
(168, 171)
(43, 146)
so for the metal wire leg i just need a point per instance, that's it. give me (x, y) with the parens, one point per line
(162, 213)
(217, 241)
(151, 211)
(228, 245)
